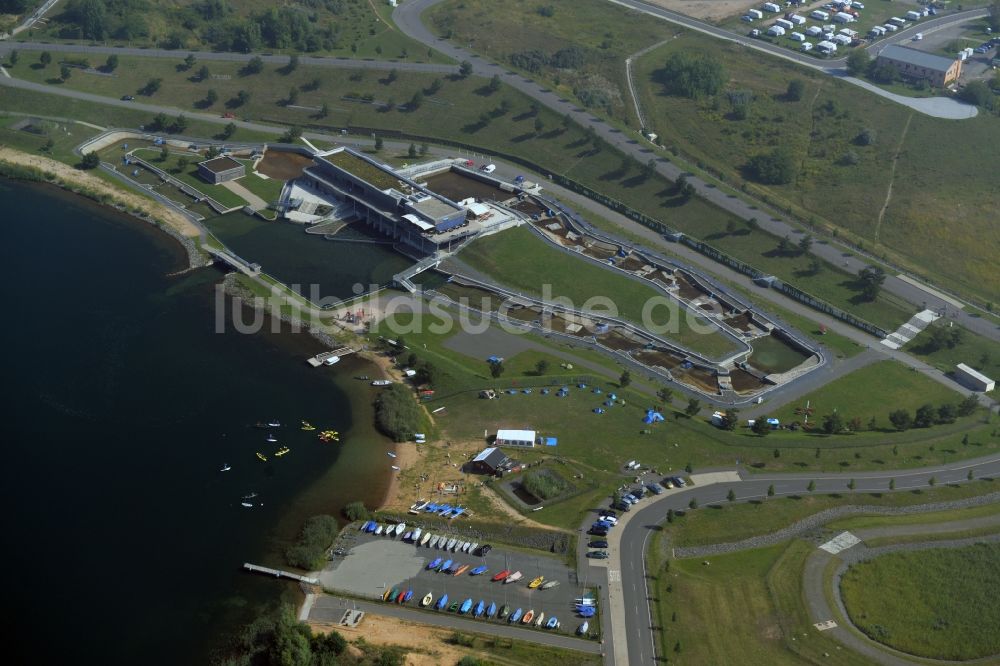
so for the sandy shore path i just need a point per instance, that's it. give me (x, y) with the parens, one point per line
(67, 175)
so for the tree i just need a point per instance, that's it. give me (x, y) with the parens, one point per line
(189, 61)
(688, 468)
(785, 245)
(833, 423)
(970, 476)
(242, 97)
(665, 394)
(925, 416)
(805, 243)
(160, 122)
(670, 515)
(180, 123)
(293, 96)
(495, 83)
(164, 154)
(858, 61)
(796, 88)
(90, 160)
(762, 428)
(416, 101)
(111, 64)
(496, 369)
(293, 64)
(624, 379)
(693, 407)
(324, 110)
(892, 484)
(730, 418)
(229, 130)
(151, 87)
(770, 490)
(774, 168)
(49, 145)
(968, 405)
(542, 366)
(812, 486)
(435, 87)
(901, 419)
(538, 125)
(867, 137)
(932, 481)
(871, 278)
(731, 495)
(412, 151)
(291, 135)
(254, 66)
(211, 97)
(693, 504)
(465, 69)
(378, 144)
(947, 413)
(12, 58)
(994, 17)
(203, 73)
(978, 93)
(850, 484)
(692, 75)
(392, 75)
(182, 164)
(65, 72)
(45, 58)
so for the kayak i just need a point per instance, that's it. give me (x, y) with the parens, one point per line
(466, 606)
(535, 583)
(407, 596)
(480, 608)
(434, 564)
(500, 576)
(481, 569)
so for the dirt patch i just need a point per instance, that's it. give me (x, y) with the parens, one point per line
(426, 646)
(705, 9)
(283, 164)
(133, 202)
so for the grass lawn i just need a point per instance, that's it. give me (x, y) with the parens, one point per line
(742, 608)
(841, 183)
(349, 28)
(522, 261)
(974, 350)
(267, 189)
(189, 174)
(507, 651)
(862, 522)
(743, 520)
(874, 390)
(931, 611)
(64, 136)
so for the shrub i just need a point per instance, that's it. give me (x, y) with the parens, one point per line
(693, 76)
(356, 511)
(396, 413)
(316, 536)
(774, 168)
(544, 485)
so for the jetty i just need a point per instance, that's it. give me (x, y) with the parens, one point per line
(278, 573)
(319, 359)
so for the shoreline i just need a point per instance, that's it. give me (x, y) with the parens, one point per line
(19, 165)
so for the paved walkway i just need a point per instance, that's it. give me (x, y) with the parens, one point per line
(256, 203)
(910, 329)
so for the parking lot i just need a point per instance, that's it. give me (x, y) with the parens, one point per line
(374, 563)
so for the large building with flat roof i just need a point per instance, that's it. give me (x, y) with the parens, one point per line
(388, 201)
(913, 64)
(221, 169)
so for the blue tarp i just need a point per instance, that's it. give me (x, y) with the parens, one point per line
(652, 417)
(551, 441)
(598, 410)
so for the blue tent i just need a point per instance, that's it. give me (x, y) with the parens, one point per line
(652, 417)
(598, 410)
(612, 397)
(597, 391)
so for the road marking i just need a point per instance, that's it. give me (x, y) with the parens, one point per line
(4, 71)
(614, 576)
(823, 626)
(841, 542)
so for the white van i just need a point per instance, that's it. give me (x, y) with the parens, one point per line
(488, 168)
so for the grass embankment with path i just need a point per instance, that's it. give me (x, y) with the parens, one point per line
(521, 261)
(941, 602)
(183, 165)
(705, 526)
(942, 172)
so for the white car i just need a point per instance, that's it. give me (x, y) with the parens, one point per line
(610, 519)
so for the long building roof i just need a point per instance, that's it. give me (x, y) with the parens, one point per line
(918, 58)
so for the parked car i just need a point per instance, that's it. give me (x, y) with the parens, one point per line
(679, 482)
(609, 512)
(623, 506)
(609, 519)
(128, 98)
(598, 554)
(655, 488)
(602, 525)
(631, 499)
(597, 544)
(639, 492)
(597, 531)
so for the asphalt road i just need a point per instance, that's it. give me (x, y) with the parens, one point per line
(407, 17)
(651, 513)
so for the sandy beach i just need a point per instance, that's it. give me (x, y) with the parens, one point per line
(67, 175)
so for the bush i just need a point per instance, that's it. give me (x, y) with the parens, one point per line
(978, 93)
(356, 511)
(316, 536)
(796, 88)
(774, 168)
(692, 76)
(396, 413)
(544, 485)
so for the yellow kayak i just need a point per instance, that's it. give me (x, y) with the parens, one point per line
(282, 451)
(535, 583)
(261, 456)
(308, 426)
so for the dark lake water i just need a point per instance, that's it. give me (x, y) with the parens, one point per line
(123, 541)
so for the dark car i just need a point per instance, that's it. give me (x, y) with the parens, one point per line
(611, 513)
(655, 488)
(597, 544)
(485, 549)
(128, 98)
(598, 554)
(597, 531)
(639, 492)
(623, 506)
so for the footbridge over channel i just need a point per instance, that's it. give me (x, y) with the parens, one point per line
(403, 279)
(235, 261)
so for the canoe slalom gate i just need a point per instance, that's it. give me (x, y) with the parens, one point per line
(319, 359)
(278, 573)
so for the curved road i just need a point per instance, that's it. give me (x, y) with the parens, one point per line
(408, 19)
(631, 639)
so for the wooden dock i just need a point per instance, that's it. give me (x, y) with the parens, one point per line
(278, 573)
(319, 359)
